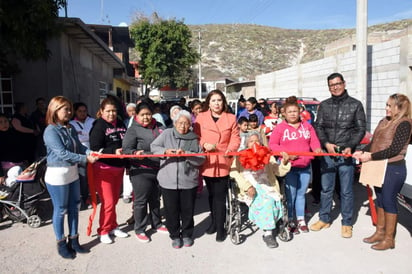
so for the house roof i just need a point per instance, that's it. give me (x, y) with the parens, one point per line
(77, 30)
(119, 34)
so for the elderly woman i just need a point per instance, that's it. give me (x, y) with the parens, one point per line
(178, 177)
(260, 190)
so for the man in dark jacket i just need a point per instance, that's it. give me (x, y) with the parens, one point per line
(340, 126)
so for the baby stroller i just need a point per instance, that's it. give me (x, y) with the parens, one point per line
(19, 201)
(237, 216)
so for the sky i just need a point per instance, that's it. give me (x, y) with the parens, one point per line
(290, 14)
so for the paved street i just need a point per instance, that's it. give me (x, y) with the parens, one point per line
(32, 250)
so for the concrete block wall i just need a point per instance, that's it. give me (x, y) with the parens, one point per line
(389, 71)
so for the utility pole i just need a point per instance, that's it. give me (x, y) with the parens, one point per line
(200, 68)
(362, 51)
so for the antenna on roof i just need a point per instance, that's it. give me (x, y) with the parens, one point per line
(101, 11)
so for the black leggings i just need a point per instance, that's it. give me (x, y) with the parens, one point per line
(217, 188)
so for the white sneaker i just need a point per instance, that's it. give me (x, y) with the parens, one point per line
(118, 233)
(106, 239)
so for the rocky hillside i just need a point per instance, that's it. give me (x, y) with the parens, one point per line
(243, 51)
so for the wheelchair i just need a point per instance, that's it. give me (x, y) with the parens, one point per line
(237, 222)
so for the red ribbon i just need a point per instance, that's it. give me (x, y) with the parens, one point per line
(254, 158)
(92, 191)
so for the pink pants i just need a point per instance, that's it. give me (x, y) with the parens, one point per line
(108, 181)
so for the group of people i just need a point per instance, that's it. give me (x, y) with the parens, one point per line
(208, 127)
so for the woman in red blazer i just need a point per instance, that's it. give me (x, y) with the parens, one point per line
(218, 132)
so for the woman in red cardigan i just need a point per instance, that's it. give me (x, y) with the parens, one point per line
(218, 132)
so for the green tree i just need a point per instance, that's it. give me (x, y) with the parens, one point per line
(165, 51)
(25, 28)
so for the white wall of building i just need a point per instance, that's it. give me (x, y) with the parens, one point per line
(389, 71)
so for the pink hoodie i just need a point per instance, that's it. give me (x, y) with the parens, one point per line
(286, 138)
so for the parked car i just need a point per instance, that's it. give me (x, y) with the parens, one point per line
(405, 197)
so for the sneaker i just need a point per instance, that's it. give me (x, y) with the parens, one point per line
(162, 229)
(187, 241)
(118, 233)
(105, 239)
(270, 241)
(319, 225)
(293, 228)
(177, 243)
(142, 237)
(347, 231)
(302, 226)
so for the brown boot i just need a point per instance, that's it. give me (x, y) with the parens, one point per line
(380, 228)
(389, 238)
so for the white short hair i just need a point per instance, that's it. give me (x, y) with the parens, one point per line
(183, 113)
(131, 105)
(173, 108)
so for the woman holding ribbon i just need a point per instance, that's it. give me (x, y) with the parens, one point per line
(64, 154)
(143, 171)
(218, 132)
(106, 136)
(295, 135)
(178, 177)
(390, 141)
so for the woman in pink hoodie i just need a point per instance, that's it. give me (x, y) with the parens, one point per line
(293, 135)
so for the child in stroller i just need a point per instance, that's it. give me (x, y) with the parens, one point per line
(21, 192)
(260, 191)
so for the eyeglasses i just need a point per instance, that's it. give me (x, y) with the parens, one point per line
(185, 124)
(335, 85)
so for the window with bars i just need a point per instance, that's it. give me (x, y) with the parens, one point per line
(6, 94)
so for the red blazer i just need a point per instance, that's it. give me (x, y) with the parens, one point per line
(225, 134)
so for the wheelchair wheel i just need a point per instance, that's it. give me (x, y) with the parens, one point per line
(34, 221)
(234, 235)
(284, 234)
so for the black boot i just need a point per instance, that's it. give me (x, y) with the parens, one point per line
(211, 229)
(221, 235)
(64, 250)
(73, 244)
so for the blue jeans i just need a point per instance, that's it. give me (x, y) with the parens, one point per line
(345, 168)
(65, 199)
(296, 184)
(395, 177)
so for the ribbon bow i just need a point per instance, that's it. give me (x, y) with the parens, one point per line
(255, 158)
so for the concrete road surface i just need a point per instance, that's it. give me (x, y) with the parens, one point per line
(33, 250)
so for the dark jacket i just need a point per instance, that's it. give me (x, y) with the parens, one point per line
(178, 172)
(11, 150)
(341, 121)
(106, 136)
(139, 137)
